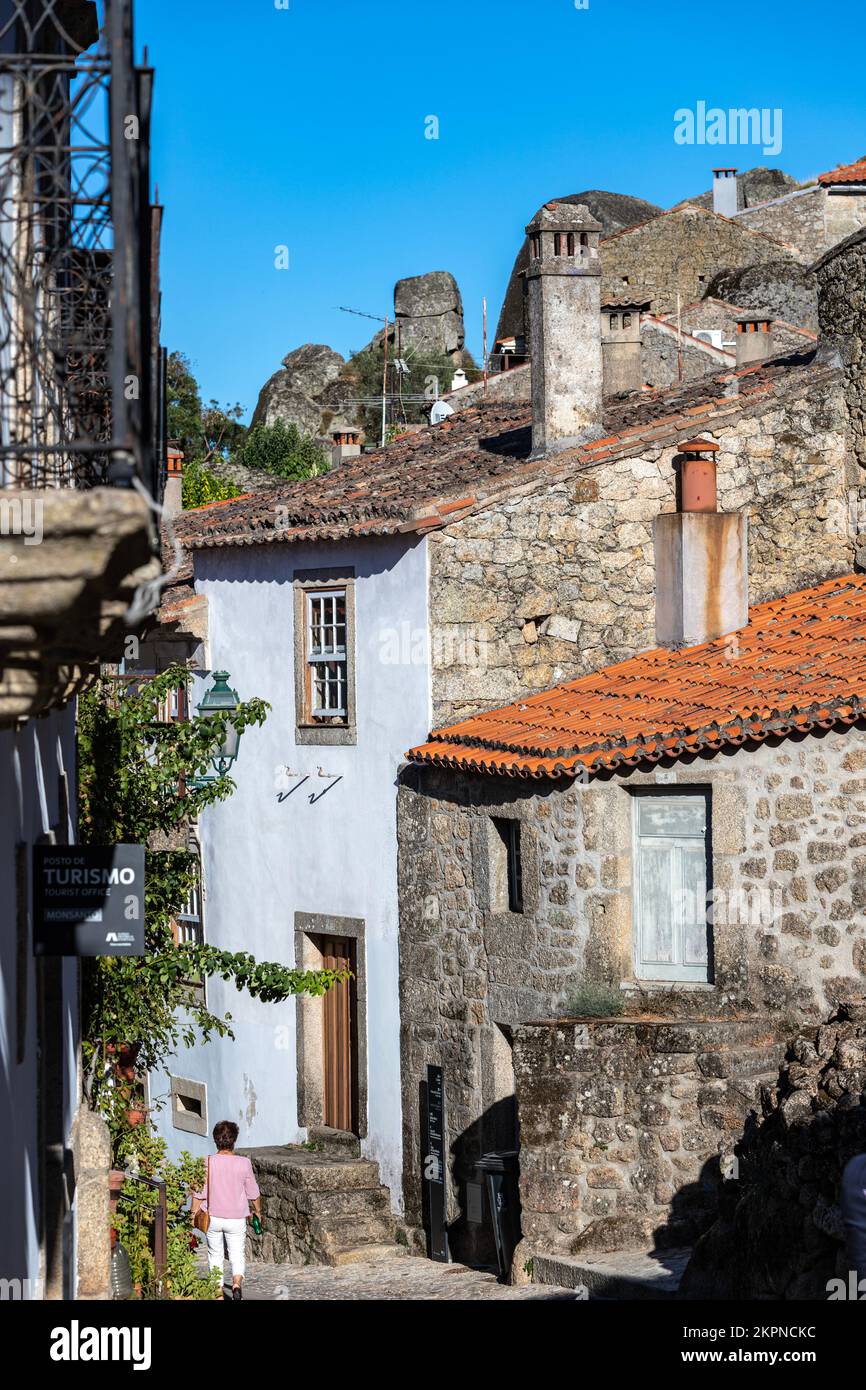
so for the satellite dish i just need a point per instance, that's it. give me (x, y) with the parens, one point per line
(440, 412)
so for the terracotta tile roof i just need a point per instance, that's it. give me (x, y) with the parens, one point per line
(437, 476)
(799, 664)
(846, 173)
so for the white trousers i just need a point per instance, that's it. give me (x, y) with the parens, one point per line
(232, 1229)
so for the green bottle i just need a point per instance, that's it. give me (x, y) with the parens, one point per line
(256, 1225)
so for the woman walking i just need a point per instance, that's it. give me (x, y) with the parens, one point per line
(230, 1186)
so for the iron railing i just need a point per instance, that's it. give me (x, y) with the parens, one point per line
(80, 367)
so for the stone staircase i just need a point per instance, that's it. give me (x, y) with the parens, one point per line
(321, 1204)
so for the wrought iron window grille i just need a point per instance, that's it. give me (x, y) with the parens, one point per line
(81, 388)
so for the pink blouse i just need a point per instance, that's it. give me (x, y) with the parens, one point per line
(232, 1183)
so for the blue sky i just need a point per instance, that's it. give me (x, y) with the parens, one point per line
(304, 127)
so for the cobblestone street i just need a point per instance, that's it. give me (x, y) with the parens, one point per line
(403, 1277)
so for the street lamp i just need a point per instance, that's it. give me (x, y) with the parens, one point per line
(221, 700)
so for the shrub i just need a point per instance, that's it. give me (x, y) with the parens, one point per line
(200, 486)
(282, 450)
(586, 999)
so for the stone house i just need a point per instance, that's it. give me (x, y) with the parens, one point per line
(517, 867)
(813, 219)
(680, 251)
(684, 828)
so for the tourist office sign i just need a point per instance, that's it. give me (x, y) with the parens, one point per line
(88, 900)
(434, 1166)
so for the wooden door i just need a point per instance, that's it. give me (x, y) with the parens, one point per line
(340, 1038)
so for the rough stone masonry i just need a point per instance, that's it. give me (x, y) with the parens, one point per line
(789, 879)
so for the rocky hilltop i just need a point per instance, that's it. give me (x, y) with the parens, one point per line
(296, 392)
(781, 289)
(312, 386)
(754, 186)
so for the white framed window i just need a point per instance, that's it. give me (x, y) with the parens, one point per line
(671, 882)
(190, 927)
(327, 656)
(188, 930)
(324, 655)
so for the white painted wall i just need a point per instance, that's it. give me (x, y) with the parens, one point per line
(30, 761)
(264, 859)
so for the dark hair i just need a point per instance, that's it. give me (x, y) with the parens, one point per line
(225, 1134)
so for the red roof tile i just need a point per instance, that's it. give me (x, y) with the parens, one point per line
(800, 663)
(846, 173)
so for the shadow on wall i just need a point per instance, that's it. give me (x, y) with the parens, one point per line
(779, 1233)
(470, 1232)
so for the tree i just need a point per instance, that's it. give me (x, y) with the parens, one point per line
(184, 403)
(204, 433)
(429, 377)
(138, 784)
(282, 450)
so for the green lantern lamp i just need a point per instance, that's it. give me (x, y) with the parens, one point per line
(222, 700)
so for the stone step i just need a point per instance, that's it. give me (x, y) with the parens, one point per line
(623, 1274)
(758, 1062)
(358, 1201)
(316, 1172)
(366, 1252)
(335, 1141)
(335, 1233)
(322, 1207)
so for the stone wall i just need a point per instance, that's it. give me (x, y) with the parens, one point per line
(797, 220)
(780, 1233)
(558, 579)
(680, 251)
(842, 306)
(660, 348)
(844, 216)
(717, 313)
(627, 1127)
(789, 887)
(515, 385)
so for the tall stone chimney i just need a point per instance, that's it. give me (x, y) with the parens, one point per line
(621, 344)
(701, 557)
(346, 442)
(755, 341)
(564, 293)
(725, 197)
(172, 497)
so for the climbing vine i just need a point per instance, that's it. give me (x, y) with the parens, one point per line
(139, 784)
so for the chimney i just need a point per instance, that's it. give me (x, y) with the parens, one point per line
(347, 441)
(564, 295)
(754, 339)
(725, 195)
(621, 345)
(701, 557)
(172, 497)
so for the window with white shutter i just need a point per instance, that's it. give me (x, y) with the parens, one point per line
(671, 858)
